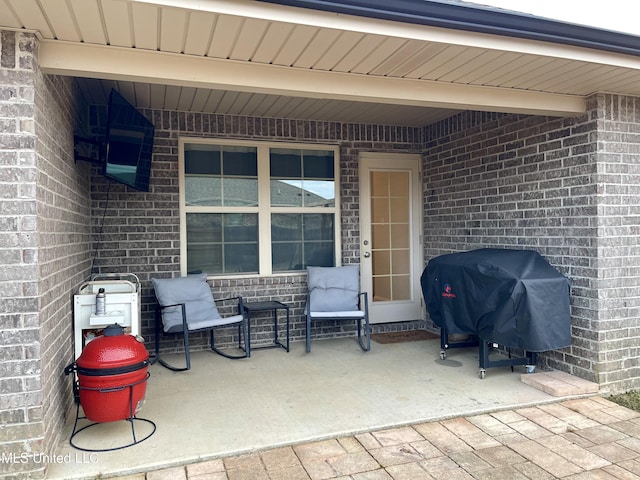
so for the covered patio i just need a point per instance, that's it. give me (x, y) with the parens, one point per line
(222, 408)
(520, 132)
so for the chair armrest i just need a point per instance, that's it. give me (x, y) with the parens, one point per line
(183, 309)
(240, 302)
(363, 298)
(216, 300)
(167, 306)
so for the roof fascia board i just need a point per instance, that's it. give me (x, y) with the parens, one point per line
(478, 18)
(270, 11)
(135, 65)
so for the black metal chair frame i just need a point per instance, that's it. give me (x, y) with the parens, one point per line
(365, 343)
(242, 334)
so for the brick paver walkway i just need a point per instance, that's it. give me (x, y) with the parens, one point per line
(582, 439)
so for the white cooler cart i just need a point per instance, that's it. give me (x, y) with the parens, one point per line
(122, 305)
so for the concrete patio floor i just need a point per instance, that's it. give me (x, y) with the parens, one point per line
(231, 408)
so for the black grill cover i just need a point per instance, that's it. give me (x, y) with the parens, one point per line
(510, 297)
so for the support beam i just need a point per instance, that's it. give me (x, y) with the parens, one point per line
(137, 65)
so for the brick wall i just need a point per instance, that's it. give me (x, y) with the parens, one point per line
(64, 243)
(565, 188)
(20, 383)
(44, 251)
(141, 230)
(617, 323)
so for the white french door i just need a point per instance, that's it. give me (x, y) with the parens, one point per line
(391, 233)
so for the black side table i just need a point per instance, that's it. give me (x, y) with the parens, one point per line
(262, 307)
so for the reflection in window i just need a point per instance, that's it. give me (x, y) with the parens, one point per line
(302, 178)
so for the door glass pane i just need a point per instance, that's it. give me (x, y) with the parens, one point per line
(400, 287)
(380, 210)
(381, 262)
(399, 208)
(400, 261)
(380, 236)
(390, 216)
(379, 184)
(399, 237)
(381, 289)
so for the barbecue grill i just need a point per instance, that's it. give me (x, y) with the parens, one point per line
(512, 298)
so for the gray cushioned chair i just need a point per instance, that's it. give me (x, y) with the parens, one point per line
(334, 294)
(186, 305)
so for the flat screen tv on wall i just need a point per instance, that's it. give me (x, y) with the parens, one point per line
(129, 144)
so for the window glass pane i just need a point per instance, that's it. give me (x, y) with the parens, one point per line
(203, 191)
(286, 227)
(240, 192)
(318, 226)
(202, 159)
(241, 161)
(318, 164)
(291, 187)
(302, 239)
(222, 243)
(205, 258)
(216, 191)
(221, 175)
(241, 258)
(204, 227)
(286, 193)
(319, 193)
(298, 193)
(204, 242)
(239, 227)
(285, 163)
(318, 254)
(285, 258)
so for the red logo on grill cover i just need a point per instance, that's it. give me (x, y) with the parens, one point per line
(447, 291)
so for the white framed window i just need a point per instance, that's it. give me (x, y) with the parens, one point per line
(257, 208)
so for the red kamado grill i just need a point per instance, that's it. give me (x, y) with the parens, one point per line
(112, 376)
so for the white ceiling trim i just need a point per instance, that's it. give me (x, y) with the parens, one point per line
(333, 21)
(135, 65)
